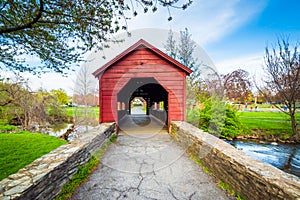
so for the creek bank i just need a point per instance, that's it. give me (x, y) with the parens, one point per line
(265, 138)
(262, 136)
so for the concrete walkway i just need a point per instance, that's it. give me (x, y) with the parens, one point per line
(148, 166)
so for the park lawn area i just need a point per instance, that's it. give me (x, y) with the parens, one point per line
(275, 123)
(271, 122)
(80, 111)
(20, 149)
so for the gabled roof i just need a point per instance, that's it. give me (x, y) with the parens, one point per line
(142, 44)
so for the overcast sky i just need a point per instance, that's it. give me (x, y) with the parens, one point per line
(233, 33)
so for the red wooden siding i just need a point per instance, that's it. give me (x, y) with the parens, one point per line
(142, 63)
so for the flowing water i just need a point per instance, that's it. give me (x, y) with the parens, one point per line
(59, 129)
(283, 156)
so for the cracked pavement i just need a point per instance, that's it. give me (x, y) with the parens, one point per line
(147, 165)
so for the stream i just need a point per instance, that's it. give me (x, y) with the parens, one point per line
(283, 156)
(59, 129)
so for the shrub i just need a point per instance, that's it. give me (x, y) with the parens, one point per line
(219, 119)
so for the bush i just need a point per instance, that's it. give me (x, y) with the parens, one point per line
(219, 119)
(8, 128)
(57, 114)
(233, 126)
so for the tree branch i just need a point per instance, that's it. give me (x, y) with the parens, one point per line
(27, 25)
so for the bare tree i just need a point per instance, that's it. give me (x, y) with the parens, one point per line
(85, 88)
(282, 68)
(237, 85)
(9, 91)
(186, 48)
(171, 46)
(183, 50)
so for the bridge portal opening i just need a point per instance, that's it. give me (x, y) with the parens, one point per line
(148, 94)
(138, 106)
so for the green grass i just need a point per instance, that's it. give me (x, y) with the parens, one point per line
(229, 190)
(84, 171)
(199, 162)
(84, 116)
(80, 111)
(20, 149)
(271, 122)
(226, 188)
(274, 123)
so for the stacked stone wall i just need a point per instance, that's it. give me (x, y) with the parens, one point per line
(45, 177)
(246, 176)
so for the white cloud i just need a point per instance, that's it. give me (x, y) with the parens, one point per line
(48, 81)
(208, 21)
(251, 63)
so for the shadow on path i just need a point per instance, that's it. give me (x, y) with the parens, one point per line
(141, 124)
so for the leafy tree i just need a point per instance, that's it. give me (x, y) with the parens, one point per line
(59, 32)
(61, 96)
(282, 68)
(10, 92)
(21, 106)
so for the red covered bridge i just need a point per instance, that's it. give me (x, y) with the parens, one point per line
(143, 71)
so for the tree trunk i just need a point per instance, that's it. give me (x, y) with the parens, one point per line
(294, 127)
(288, 164)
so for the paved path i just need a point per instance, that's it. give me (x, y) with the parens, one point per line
(148, 166)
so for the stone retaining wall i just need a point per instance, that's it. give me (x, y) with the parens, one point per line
(247, 176)
(45, 177)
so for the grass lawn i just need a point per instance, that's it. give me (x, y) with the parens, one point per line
(80, 111)
(272, 122)
(84, 116)
(20, 149)
(266, 122)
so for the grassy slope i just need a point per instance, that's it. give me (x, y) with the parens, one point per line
(19, 150)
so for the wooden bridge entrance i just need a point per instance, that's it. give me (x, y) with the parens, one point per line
(143, 71)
